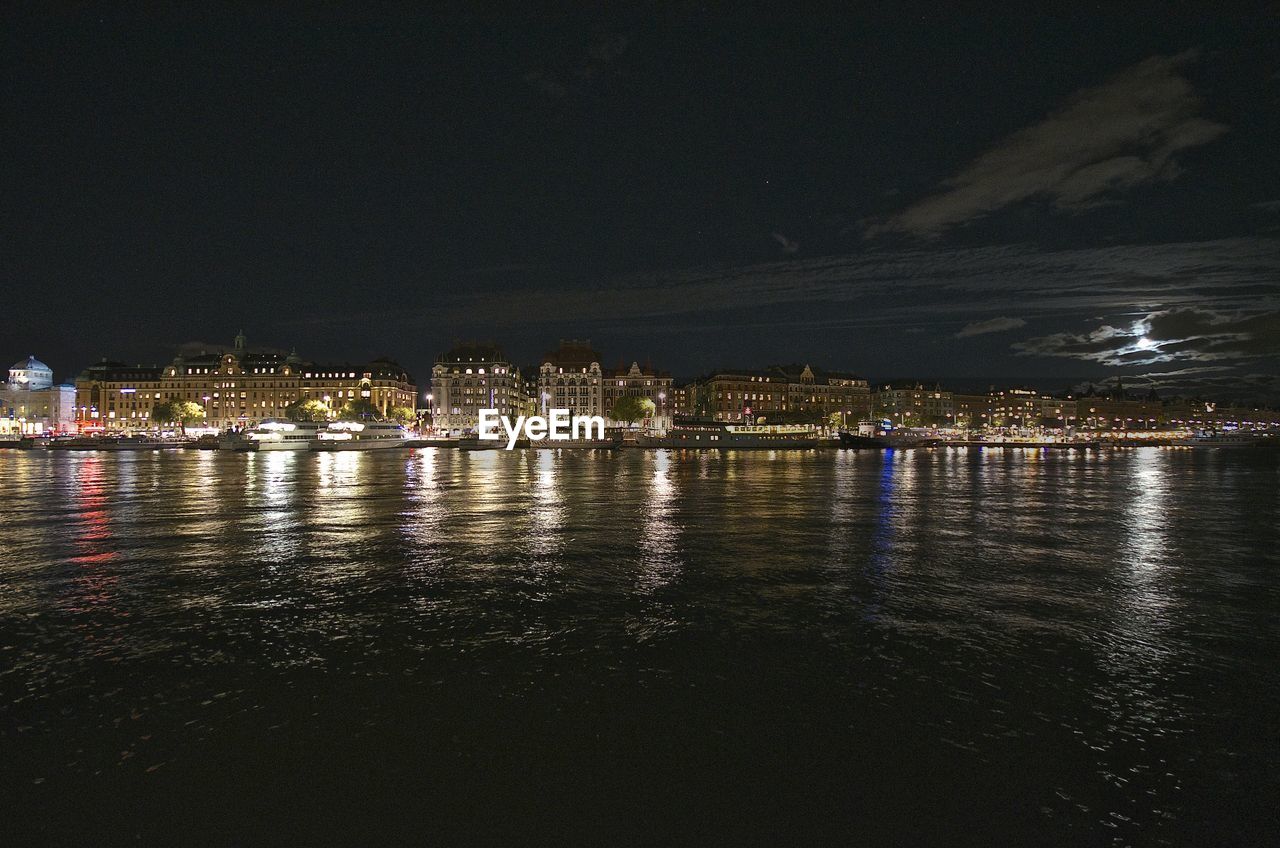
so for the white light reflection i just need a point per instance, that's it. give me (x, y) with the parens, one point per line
(341, 512)
(1143, 620)
(1138, 647)
(660, 561)
(423, 525)
(271, 494)
(547, 516)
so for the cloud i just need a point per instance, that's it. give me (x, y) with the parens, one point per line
(788, 246)
(1222, 382)
(940, 288)
(993, 325)
(1121, 134)
(1186, 334)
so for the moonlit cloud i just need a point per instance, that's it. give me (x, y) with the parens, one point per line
(1119, 295)
(1104, 140)
(993, 325)
(909, 288)
(1188, 334)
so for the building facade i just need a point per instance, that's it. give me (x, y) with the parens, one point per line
(237, 387)
(780, 394)
(642, 382)
(30, 402)
(471, 377)
(572, 377)
(913, 405)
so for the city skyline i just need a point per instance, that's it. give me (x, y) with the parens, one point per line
(1247, 390)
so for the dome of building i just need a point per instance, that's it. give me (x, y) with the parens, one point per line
(30, 373)
(29, 364)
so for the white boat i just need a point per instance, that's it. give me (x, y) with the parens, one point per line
(137, 443)
(872, 435)
(274, 435)
(234, 440)
(362, 436)
(715, 434)
(1219, 439)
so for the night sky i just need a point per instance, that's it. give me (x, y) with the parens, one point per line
(898, 192)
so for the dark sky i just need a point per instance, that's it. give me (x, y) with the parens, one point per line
(895, 191)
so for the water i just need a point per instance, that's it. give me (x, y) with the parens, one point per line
(641, 648)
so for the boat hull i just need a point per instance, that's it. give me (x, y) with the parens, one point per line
(432, 443)
(575, 444)
(284, 446)
(724, 443)
(359, 444)
(860, 442)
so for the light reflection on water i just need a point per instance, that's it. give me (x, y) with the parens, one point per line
(1099, 625)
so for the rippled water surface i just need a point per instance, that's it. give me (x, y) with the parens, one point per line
(641, 647)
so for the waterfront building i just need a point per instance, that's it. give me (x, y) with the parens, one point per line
(572, 377)
(1027, 409)
(1119, 413)
(972, 412)
(1058, 413)
(781, 393)
(31, 403)
(474, 376)
(913, 405)
(236, 387)
(643, 382)
(682, 399)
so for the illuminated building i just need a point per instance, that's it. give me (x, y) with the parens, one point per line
(643, 382)
(30, 402)
(571, 377)
(1022, 409)
(236, 388)
(471, 377)
(912, 405)
(781, 393)
(972, 412)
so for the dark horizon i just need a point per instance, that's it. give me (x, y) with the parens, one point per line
(1052, 199)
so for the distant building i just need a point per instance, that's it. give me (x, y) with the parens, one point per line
(236, 387)
(572, 377)
(781, 393)
(1014, 409)
(683, 398)
(1119, 413)
(30, 402)
(1023, 409)
(471, 377)
(972, 412)
(643, 382)
(913, 405)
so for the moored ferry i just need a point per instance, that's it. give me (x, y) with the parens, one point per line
(872, 435)
(700, 435)
(283, 435)
(361, 436)
(1219, 439)
(136, 443)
